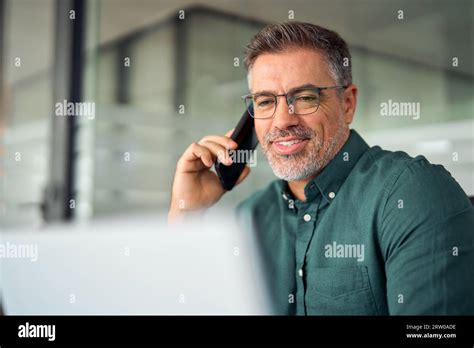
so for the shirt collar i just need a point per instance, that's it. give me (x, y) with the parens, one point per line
(335, 173)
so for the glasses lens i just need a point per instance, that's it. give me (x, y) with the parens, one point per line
(305, 101)
(261, 106)
(249, 105)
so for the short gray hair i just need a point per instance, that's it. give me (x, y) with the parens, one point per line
(279, 37)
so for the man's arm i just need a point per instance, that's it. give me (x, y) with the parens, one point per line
(427, 240)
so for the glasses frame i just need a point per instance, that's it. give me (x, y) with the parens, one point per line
(287, 98)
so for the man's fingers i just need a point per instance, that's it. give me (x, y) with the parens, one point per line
(207, 150)
(243, 175)
(229, 133)
(196, 151)
(218, 151)
(224, 141)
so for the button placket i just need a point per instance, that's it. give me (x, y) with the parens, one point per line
(306, 217)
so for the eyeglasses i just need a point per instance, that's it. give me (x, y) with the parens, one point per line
(301, 101)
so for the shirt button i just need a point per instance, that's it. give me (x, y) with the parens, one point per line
(300, 272)
(307, 217)
(332, 195)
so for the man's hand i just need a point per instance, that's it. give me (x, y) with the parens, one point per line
(195, 186)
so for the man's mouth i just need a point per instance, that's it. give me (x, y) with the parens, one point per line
(289, 145)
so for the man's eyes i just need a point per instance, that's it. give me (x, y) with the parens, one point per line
(306, 98)
(265, 102)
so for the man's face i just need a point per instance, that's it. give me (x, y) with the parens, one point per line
(298, 147)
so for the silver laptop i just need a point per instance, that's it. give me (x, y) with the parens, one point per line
(132, 266)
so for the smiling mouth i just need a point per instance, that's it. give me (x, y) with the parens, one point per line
(289, 142)
(289, 146)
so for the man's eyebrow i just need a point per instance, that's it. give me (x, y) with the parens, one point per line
(265, 92)
(306, 85)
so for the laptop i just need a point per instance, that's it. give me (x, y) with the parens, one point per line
(132, 266)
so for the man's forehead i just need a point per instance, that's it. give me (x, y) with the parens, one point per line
(286, 70)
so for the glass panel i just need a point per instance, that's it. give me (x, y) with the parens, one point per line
(27, 61)
(185, 78)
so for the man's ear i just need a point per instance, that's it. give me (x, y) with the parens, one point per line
(350, 103)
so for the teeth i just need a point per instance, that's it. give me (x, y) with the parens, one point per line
(288, 143)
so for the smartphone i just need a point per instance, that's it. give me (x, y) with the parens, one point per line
(246, 138)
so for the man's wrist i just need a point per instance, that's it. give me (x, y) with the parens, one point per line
(181, 215)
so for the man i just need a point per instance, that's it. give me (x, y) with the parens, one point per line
(347, 229)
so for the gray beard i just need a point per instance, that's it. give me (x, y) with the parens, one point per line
(306, 164)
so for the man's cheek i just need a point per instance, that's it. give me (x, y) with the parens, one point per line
(261, 130)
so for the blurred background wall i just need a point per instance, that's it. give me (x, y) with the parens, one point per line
(164, 73)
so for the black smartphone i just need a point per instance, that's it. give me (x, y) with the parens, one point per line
(246, 138)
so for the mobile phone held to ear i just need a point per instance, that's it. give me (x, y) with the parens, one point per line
(246, 138)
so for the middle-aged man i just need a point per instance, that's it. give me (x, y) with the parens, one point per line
(347, 229)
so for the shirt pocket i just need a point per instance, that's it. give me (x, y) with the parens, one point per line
(339, 291)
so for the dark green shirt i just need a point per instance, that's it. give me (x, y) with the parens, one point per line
(380, 233)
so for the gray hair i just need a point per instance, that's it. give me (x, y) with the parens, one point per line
(279, 37)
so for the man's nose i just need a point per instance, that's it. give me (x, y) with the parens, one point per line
(284, 117)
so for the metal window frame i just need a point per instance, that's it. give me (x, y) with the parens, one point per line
(68, 71)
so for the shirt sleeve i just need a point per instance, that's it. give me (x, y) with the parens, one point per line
(427, 242)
